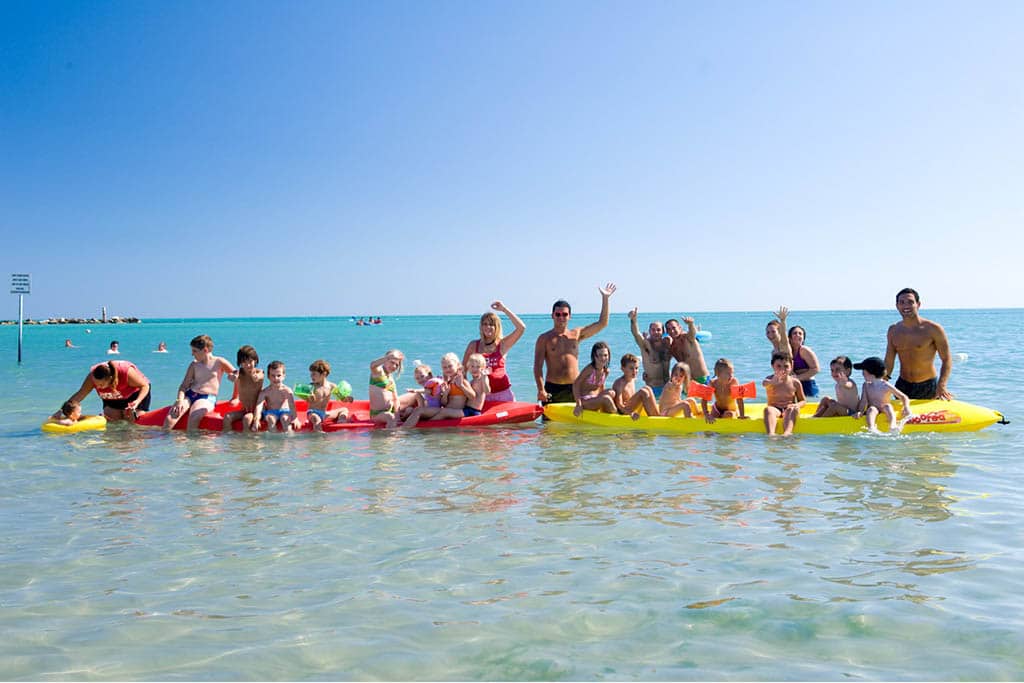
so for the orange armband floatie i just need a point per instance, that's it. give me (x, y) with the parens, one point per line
(700, 391)
(748, 390)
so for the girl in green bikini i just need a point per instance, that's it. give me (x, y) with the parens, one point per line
(384, 403)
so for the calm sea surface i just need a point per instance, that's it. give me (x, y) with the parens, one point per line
(528, 552)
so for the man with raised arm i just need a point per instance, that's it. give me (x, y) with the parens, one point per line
(686, 349)
(917, 341)
(655, 352)
(559, 349)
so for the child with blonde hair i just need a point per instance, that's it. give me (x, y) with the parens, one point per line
(454, 392)
(480, 384)
(384, 403)
(429, 393)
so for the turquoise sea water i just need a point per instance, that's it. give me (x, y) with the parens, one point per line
(526, 552)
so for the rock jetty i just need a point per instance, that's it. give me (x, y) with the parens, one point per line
(113, 320)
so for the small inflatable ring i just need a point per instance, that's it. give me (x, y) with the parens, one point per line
(88, 423)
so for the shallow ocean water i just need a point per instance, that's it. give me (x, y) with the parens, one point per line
(527, 552)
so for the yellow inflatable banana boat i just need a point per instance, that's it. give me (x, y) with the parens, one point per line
(928, 416)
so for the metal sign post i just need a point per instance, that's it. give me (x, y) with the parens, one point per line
(21, 284)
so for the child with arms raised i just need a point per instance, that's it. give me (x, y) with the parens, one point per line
(627, 399)
(847, 398)
(276, 402)
(197, 394)
(877, 394)
(785, 395)
(588, 389)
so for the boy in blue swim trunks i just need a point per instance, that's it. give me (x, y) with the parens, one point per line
(276, 402)
(197, 394)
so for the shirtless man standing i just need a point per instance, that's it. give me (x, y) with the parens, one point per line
(655, 352)
(916, 341)
(559, 347)
(686, 348)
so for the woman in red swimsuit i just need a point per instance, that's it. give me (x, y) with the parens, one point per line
(493, 347)
(122, 386)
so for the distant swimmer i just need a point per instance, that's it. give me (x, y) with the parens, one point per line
(161, 347)
(559, 350)
(916, 341)
(114, 348)
(69, 345)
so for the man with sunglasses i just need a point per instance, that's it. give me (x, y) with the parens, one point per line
(559, 349)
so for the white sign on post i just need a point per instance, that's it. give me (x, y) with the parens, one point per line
(21, 283)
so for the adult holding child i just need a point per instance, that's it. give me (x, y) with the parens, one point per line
(559, 350)
(916, 341)
(125, 391)
(493, 347)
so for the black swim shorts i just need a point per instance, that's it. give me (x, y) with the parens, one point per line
(925, 389)
(122, 403)
(560, 393)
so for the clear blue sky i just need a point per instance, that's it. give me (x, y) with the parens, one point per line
(179, 159)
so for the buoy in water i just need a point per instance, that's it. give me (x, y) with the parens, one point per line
(960, 357)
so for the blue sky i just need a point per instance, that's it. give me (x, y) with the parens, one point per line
(188, 159)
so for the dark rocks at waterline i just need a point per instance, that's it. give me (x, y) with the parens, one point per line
(113, 320)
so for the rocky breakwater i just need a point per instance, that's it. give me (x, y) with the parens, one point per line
(113, 320)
